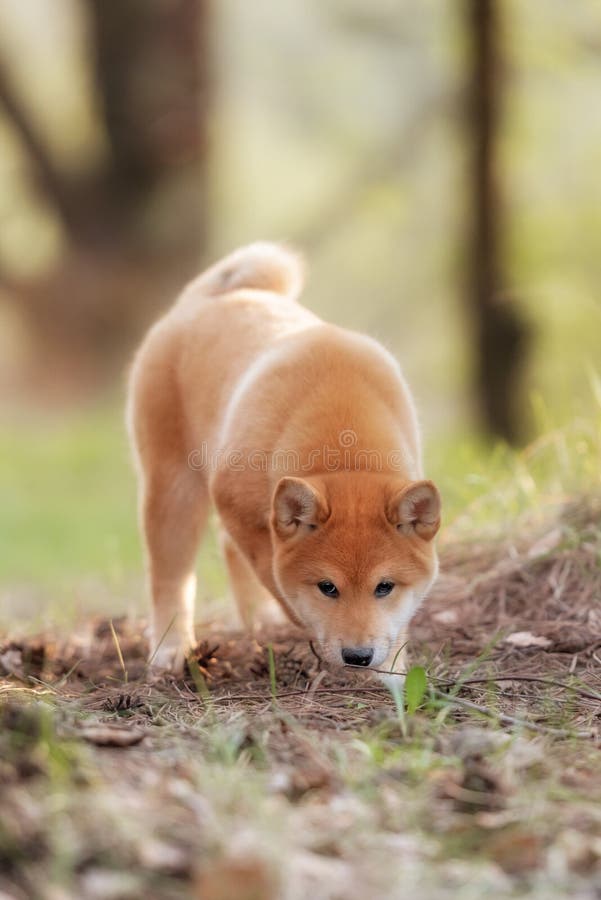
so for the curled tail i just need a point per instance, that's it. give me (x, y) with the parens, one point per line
(263, 266)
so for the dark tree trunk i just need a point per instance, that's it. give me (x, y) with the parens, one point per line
(46, 175)
(152, 75)
(500, 335)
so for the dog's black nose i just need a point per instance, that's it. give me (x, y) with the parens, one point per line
(357, 656)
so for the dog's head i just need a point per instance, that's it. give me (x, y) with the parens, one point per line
(353, 558)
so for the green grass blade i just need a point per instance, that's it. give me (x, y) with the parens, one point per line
(416, 685)
(272, 674)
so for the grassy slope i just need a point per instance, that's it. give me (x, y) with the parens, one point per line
(211, 803)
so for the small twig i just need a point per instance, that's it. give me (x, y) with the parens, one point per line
(494, 678)
(549, 681)
(378, 671)
(383, 691)
(65, 678)
(397, 654)
(316, 655)
(312, 690)
(510, 720)
(458, 701)
(163, 636)
(118, 646)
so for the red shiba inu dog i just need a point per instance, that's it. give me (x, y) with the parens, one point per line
(304, 437)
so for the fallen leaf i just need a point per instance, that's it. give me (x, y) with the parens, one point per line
(516, 850)
(470, 742)
(581, 851)
(12, 662)
(245, 878)
(22, 660)
(495, 819)
(158, 856)
(527, 639)
(477, 789)
(446, 616)
(545, 544)
(106, 884)
(111, 736)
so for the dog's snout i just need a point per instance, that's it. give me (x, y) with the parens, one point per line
(357, 656)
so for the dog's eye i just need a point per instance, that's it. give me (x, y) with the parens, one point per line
(383, 588)
(328, 588)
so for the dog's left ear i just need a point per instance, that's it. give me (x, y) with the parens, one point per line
(416, 509)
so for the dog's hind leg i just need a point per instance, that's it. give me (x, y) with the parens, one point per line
(174, 512)
(173, 498)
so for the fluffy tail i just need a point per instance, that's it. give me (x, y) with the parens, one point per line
(263, 266)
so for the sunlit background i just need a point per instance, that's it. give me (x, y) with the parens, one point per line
(439, 169)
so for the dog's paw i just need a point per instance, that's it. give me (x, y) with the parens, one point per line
(270, 614)
(168, 659)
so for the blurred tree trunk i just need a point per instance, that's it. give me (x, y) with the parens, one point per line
(135, 225)
(500, 334)
(153, 84)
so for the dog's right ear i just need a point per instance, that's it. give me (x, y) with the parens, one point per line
(296, 504)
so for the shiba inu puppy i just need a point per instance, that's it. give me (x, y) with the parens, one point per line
(304, 437)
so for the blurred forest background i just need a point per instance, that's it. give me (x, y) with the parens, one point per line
(438, 163)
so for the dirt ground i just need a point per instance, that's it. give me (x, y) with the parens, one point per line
(262, 775)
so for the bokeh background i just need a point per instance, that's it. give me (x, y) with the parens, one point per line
(437, 161)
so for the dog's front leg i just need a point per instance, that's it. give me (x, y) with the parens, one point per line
(253, 600)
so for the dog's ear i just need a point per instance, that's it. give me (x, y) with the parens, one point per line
(415, 509)
(296, 503)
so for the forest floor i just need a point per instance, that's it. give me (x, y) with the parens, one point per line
(261, 776)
